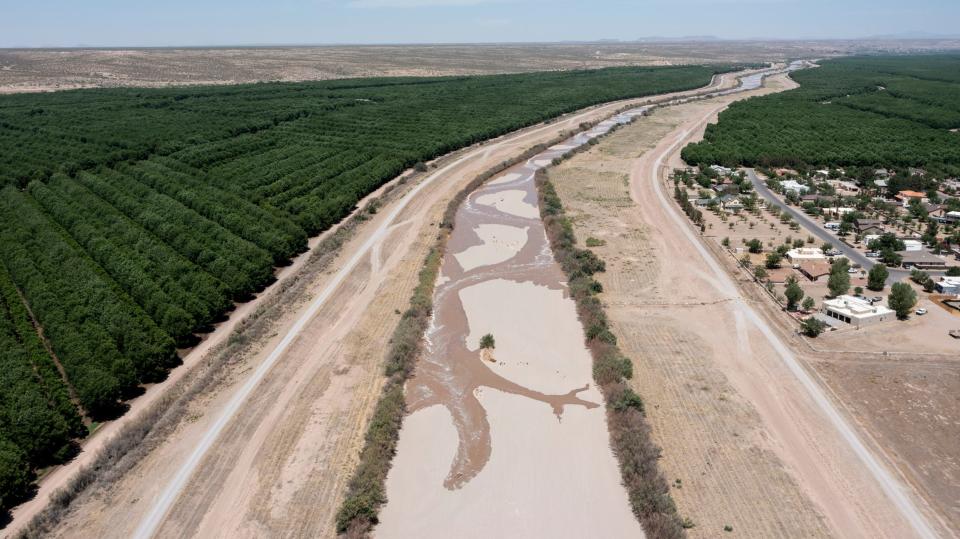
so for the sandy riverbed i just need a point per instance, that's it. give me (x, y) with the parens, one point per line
(499, 446)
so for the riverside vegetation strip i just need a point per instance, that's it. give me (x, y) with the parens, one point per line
(133, 219)
(630, 435)
(890, 111)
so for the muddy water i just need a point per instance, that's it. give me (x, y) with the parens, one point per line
(452, 371)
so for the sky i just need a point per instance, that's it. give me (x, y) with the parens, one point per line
(122, 23)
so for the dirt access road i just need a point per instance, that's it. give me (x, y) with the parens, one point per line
(268, 451)
(748, 434)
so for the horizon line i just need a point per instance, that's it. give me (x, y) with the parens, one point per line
(651, 40)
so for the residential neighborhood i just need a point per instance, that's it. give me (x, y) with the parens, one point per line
(831, 245)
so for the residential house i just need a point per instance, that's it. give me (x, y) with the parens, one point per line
(814, 269)
(868, 226)
(795, 186)
(795, 256)
(912, 246)
(935, 211)
(906, 196)
(922, 260)
(857, 312)
(731, 204)
(948, 285)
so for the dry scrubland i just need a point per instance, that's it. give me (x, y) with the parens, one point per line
(716, 451)
(25, 70)
(721, 460)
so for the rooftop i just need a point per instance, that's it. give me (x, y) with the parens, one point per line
(920, 257)
(855, 307)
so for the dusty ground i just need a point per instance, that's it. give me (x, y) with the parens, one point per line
(280, 466)
(743, 443)
(24, 70)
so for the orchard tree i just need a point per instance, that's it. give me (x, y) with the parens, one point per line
(773, 260)
(15, 475)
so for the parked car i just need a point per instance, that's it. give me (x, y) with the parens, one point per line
(876, 299)
(853, 270)
(873, 254)
(921, 312)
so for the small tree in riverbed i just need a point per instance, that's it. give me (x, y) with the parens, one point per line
(487, 341)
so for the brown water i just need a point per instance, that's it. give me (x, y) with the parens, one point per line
(450, 373)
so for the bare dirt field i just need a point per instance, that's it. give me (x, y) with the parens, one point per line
(279, 465)
(744, 443)
(31, 70)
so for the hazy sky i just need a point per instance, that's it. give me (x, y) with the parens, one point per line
(35, 23)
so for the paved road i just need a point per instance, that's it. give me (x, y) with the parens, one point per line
(817, 230)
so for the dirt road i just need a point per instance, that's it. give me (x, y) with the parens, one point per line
(269, 451)
(749, 434)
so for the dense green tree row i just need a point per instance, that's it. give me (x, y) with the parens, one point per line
(179, 296)
(37, 420)
(862, 111)
(105, 341)
(81, 129)
(271, 231)
(240, 265)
